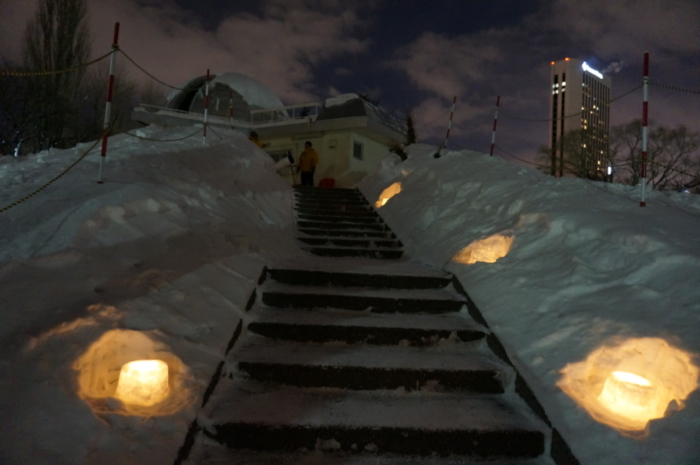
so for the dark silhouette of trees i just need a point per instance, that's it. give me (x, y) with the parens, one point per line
(673, 161)
(60, 110)
(577, 158)
(56, 38)
(411, 136)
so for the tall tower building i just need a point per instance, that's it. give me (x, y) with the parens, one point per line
(580, 101)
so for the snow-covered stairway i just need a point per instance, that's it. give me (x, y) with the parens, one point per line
(341, 223)
(377, 363)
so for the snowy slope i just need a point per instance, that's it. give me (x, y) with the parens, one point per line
(170, 245)
(587, 268)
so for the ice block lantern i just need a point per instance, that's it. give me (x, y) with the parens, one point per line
(387, 194)
(627, 385)
(143, 382)
(630, 395)
(487, 250)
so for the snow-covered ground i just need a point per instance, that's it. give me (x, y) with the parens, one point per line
(588, 267)
(171, 245)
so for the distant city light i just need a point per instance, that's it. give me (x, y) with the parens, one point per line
(595, 73)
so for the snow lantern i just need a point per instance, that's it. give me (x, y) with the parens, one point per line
(630, 396)
(485, 250)
(143, 382)
(131, 373)
(387, 194)
(627, 385)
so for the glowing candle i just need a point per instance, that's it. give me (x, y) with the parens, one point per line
(143, 382)
(630, 395)
(387, 194)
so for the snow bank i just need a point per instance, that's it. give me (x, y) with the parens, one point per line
(168, 248)
(587, 267)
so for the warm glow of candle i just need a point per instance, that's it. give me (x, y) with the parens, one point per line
(486, 250)
(630, 395)
(387, 194)
(627, 385)
(143, 382)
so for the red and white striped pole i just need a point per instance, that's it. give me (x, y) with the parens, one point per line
(449, 126)
(495, 121)
(645, 128)
(108, 104)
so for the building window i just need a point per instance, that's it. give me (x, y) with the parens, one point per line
(357, 151)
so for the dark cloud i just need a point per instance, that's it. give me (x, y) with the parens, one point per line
(513, 61)
(279, 47)
(415, 58)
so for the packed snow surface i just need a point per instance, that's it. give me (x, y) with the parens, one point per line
(172, 244)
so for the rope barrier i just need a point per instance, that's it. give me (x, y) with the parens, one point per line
(215, 133)
(146, 72)
(626, 93)
(667, 86)
(165, 140)
(518, 158)
(53, 72)
(549, 120)
(63, 173)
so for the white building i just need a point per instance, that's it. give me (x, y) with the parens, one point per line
(350, 134)
(580, 100)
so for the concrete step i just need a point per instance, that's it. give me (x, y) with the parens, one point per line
(335, 208)
(210, 453)
(349, 219)
(354, 327)
(255, 416)
(326, 191)
(364, 243)
(368, 367)
(342, 226)
(308, 277)
(334, 189)
(330, 203)
(329, 193)
(361, 213)
(407, 301)
(330, 198)
(384, 254)
(346, 233)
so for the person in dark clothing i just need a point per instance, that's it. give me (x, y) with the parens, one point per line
(307, 164)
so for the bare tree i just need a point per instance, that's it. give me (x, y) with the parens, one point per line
(672, 158)
(124, 98)
(626, 151)
(411, 136)
(151, 93)
(578, 159)
(57, 38)
(18, 112)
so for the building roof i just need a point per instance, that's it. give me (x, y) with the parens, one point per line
(255, 94)
(349, 105)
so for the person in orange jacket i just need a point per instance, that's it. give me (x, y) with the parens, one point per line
(253, 137)
(307, 164)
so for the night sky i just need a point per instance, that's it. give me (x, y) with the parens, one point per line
(412, 55)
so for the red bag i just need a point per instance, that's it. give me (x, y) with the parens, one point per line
(326, 182)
